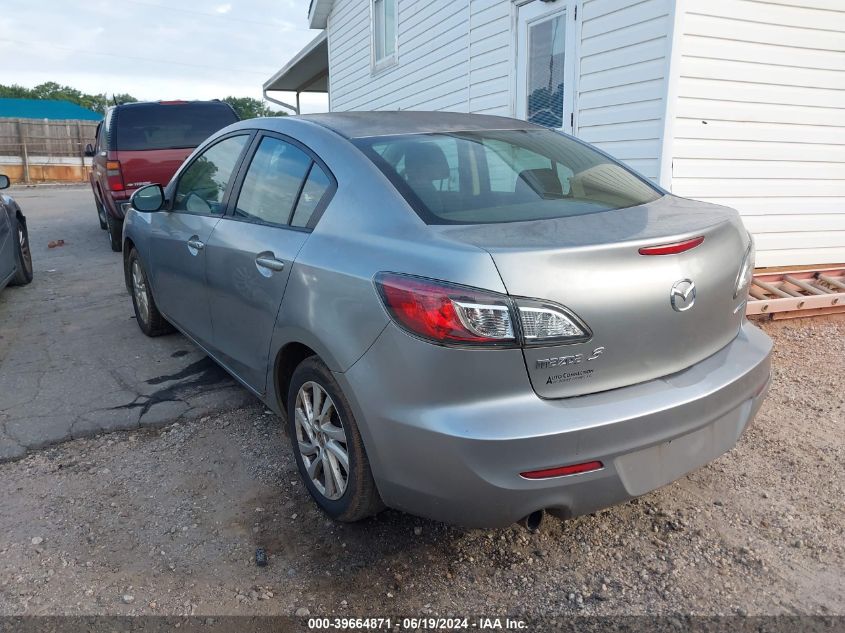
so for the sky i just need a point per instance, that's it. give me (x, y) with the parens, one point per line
(154, 49)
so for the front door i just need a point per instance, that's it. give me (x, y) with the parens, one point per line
(178, 237)
(545, 71)
(252, 251)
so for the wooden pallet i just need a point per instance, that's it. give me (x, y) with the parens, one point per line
(797, 293)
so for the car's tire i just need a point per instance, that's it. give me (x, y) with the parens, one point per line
(350, 494)
(150, 320)
(23, 255)
(115, 231)
(102, 214)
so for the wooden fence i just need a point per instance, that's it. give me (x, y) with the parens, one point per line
(40, 150)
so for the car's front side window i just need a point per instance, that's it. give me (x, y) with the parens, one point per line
(202, 185)
(273, 182)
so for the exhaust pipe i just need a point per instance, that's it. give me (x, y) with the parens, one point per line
(533, 521)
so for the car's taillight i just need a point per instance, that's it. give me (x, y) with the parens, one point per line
(746, 270)
(545, 324)
(115, 176)
(451, 314)
(447, 313)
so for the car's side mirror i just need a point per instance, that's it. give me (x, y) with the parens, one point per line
(89, 150)
(4, 182)
(149, 198)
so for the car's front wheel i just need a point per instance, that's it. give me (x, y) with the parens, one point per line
(150, 320)
(327, 445)
(23, 255)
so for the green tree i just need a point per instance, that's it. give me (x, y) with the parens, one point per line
(14, 92)
(245, 107)
(249, 108)
(53, 90)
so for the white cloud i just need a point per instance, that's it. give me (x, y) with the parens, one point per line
(190, 54)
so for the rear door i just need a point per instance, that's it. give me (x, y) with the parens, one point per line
(153, 139)
(146, 167)
(178, 237)
(251, 251)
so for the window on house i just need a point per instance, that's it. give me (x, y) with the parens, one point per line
(547, 44)
(384, 30)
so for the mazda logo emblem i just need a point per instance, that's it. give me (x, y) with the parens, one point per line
(682, 295)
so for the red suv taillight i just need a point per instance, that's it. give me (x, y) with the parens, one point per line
(115, 176)
(459, 315)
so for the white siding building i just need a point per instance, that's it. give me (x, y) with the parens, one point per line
(737, 102)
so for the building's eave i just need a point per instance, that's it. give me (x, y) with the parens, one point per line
(318, 13)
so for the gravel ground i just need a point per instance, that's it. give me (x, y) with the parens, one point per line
(167, 522)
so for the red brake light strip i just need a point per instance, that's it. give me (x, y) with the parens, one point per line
(672, 249)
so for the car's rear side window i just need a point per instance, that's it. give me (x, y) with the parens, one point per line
(168, 126)
(313, 190)
(504, 176)
(273, 182)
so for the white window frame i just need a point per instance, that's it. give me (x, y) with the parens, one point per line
(539, 12)
(388, 60)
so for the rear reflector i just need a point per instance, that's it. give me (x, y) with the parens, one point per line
(562, 471)
(672, 249)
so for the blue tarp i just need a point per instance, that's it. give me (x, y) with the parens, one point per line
(45, 109)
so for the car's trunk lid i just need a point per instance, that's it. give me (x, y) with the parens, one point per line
(591, 264)
(152, 166)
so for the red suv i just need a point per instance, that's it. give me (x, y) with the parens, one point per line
(142, 143)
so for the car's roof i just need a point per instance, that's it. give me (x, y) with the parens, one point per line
(148, 104)
(387, 123)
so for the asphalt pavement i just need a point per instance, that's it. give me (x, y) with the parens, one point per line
(73, 362)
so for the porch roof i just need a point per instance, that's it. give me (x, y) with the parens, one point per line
(308, 71)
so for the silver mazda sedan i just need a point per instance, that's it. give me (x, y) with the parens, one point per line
(469, 318)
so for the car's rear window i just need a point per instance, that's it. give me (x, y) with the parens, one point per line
(169, 126)
(504, 176)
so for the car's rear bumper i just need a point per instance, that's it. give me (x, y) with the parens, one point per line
(117, 203)
(448, 434)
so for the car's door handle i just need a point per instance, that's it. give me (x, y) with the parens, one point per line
(196, 244)
(270, 263)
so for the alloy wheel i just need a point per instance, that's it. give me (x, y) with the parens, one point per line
(139, 289)
(321, 440)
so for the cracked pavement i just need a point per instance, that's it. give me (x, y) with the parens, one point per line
(73, 362)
